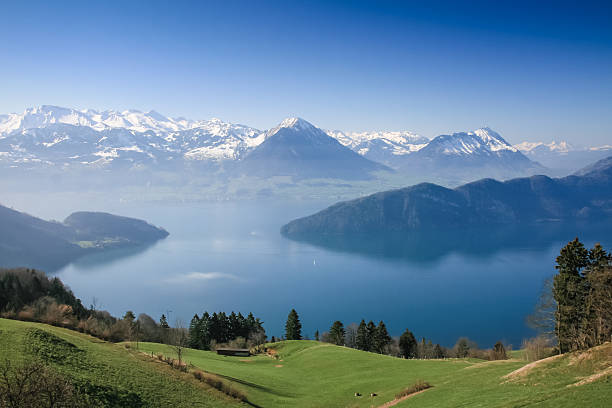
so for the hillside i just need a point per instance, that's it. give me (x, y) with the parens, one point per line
(29, 241)
(586, 195)
(313, 374)
(109, 372)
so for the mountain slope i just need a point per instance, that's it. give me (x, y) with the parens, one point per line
(297, 148)
(29, 241)
(586, 195)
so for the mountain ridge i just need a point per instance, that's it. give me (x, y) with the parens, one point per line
(585, 195)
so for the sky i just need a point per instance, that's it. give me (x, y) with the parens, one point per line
(536, 72)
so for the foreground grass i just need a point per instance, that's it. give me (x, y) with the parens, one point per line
(125, 377)
(313, 374)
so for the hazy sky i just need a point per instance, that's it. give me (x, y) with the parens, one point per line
(531, 72)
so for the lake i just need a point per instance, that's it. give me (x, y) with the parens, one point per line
(230, 256)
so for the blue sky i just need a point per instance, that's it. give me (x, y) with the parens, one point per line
(532, 72)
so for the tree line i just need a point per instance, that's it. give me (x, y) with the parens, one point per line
(376, 339)
(209, 330)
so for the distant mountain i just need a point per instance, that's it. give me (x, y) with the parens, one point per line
(563, 157)
(297, 148)
(586, 195)
(388, 148)
(29, 241)
(55, 136)
(64, 138)
(468, 155)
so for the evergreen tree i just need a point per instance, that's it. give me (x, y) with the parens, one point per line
(371, 336)
(317, 335)
(336, 333)
(129, 316)
(194, 333)
(381, 338)
(498, 352)
(293, 327)
(569, 291)
(598, 325)
(408, 345)
(362, 336)
(438, 352)
(462, 348)
(163, 323)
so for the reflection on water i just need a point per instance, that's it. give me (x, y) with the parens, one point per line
(231, 256)
(430, 245)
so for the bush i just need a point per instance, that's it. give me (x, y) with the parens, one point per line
(537, 348)
(34, 385)
(420, 385)
(219, 384)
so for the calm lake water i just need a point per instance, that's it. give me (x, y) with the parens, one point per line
(231, 256)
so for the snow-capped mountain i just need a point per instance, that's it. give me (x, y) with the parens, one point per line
(470, 155)
(134, 120)
(60, 136)
(384, 147)
(299, 149)
(563, 157)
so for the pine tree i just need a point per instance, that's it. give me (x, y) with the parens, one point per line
(438, 352)
(498, 352)
(317, 335)
(408, 345)
(293, 327)
(371, 335)
(129, 316)
(336, 333)
(569, 291)
(194, 333)
(381, 338)
(362, 336)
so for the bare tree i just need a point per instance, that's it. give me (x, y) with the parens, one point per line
(32, 384)
(543, 318)
(351, 335)
(179, 339)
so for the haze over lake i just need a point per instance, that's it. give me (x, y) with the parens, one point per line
(230, 256)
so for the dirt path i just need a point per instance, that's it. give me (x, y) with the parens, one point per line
(398, 400)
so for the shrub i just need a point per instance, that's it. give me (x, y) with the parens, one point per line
(420, 385)
(219, 384)
(537, 348)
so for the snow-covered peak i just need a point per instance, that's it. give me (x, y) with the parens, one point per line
(558, 147)
(294, 123)
(480, 141)
(133, 120)
(493, 140)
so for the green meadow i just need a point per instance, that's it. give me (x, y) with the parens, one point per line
(309, 374)
(313, 374)
(118, 375)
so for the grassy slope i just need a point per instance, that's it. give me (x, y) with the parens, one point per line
(321, 375)
(105, 364)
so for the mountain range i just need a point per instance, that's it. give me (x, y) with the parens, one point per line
(586, 195)
(29, 241)
(66, 138)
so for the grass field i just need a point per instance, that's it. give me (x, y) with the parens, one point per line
(128, 378)
(313, 374)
